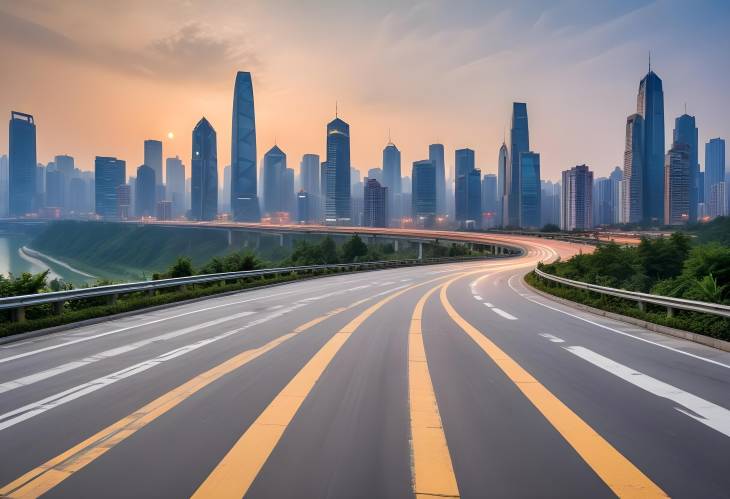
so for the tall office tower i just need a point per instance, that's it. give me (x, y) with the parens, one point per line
(519, 143)
(244, 200)
(650, 105)
(40, 186)
(204, 173)
(423, 187)
(633, 181)
(354, 176)
(603, 198)
(576, 210)
(685, 132)
(376, 173)
(310, 179)
(550, 201)
(391, 169)
(224, 199)
(719, 200)
(153, 159)
(124, 201)
(468, 197)
(503, 186)
(436, 154)
(55, 189)
(145, 188)
(287, 192)
(109, 173)
(616, 177)
(304, 205)
(337, 202)
(22, 164)
(65, 164)
(489, 199)
(175, 175)
(78, 198)
(375, 199)
(4, 186)
(530, 190)
(274, 166)
(714, 171)
(678, 184)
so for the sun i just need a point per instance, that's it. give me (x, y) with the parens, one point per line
(170, 135)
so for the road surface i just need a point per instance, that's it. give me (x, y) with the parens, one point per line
(440, 381)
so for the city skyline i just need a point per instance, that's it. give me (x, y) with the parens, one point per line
(602, 80)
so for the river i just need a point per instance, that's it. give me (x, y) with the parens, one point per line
(13, 262)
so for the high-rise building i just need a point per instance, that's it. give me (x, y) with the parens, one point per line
(224, 198)
(685, 132)
(175, 189)
(109, 173)
(303, 207)
(714, 172)
(633, 179)
(144, 190)
(65, 164)
(650, 105)
(337, 202)
(489, 200)
(4, 186)
(153, 159)
(436, 154)
(124, 201)
(550, 201)
(274, 166)
(677, 184)
(529, 190)
(55, 189)
(576, 211)
(164, 210)
(244, 200)
(391, 169)
(376, 173)
(468, 195)
(503, 185)
(22, 164)
(375, 198)
(603, 201)
(287, 192)
(423, 189)
(311, 180)
(204, 172)
(719, 200)
(519, 143)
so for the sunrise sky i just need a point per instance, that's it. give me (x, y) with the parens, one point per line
(101, 76)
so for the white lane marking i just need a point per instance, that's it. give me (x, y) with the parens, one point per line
(623, 333)
(113, 352)
(406, 280)
(477, 297)
(707, 413)
(387, 283)
(487, 304)
(504, 314)
(552, 338)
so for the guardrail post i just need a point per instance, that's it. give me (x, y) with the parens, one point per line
(18, 314)
(57, 307)
(670, 312)
(420, 250)
(641, 306)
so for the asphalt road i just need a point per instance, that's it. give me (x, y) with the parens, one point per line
(439, 381)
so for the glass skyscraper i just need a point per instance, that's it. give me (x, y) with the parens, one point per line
(392, 180)
(144, 191)
(244, 200)
(677, 184)
(685, 132)
(436, 154)
(633, 180)
(530, 190)
(576, 211)
(22, 164)
(274, 166)
(519, 143)
(468, 195)
(503, 185)
(337, 174)
(153, 158)
(423, 189)
(109, 174)
(714, 165)
(175, 191)
(650, 105)
(204, 173)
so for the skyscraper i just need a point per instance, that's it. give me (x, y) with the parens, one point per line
(375, 198)
(503, 185)
(244, 200)
(530, 190)
(436, 154)
(287, 192)
(204, 173)
(274, 166)
(109, 173)
(714, 173)
(175, 174)
(303, 206)
(519, 143)
(677, 184)
(22, 164)
(65, 164)
(650, 105)
(391, 169)
(144, 192)
(633, 180)
(337, 174)
(576, 211)
(153, 159)
(311, 180)
(423, 189)
(550, 200)
(468, 197)
(4, 186)
(685, 132)
(489, 199)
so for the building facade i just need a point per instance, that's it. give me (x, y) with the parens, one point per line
(22, 164)
(144, 192)
(633, 178)
(423, 193)
(109, 174)
(678, 184)
(650, 105)
(204, 173)
(436, 154)
(375, 204)
(337, 203)
(530, 203)
(577, 203)
(519, 143)
(244, 198)
(685, 132)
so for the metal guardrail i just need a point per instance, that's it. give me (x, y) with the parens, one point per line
(641, 299)
(18, 304)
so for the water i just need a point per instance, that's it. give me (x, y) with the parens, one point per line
(11, 262)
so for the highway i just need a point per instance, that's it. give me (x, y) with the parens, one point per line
(451, 380)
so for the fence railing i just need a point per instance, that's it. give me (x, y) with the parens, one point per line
(641, 299)
(18, 304)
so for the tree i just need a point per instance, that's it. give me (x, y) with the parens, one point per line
(354, 249)
(182, 267)
(550, 228)
(26, 284)
(329, 250)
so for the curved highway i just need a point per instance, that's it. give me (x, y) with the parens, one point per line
(453, 380)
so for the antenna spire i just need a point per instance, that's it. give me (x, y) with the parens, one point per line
(389, 141)
(685, 108)
(336, 116)
(650, 61)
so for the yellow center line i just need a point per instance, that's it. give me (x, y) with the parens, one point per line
(433, 474)
(235, 473)
(43, 478)
(619, 474)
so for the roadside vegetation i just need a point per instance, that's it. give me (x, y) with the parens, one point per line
(678, 266)
(325, 251)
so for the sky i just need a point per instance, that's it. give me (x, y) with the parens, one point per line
(102, 76)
